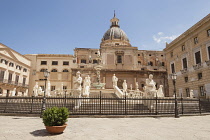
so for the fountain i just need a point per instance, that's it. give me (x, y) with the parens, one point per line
(98, 67)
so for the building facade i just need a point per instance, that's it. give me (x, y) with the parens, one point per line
(118, 57)
(14, 72)
(59, 66)
(189, 57)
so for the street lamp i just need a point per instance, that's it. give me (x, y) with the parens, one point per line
(46, 75)
(173, 77)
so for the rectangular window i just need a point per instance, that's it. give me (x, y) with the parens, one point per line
(172, 68)
(54, 62)
(186, 79)
(83, 61)
(209, 52)
(43, 62)
(10, 78)
(200, 76)
(95, 61)
(184, 62)
(24, 81)
(187, 92)
(208, 32)
(119, 58)
(196, 40)
(183, 47)
(163, 63)
(64, 87)
(52, 88)
(197, 57)
(172, 54)
(65, 62)
(2, 75)
(150, 63)
(16, 79)
(202, 91)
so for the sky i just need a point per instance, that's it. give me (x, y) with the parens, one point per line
(60, 26)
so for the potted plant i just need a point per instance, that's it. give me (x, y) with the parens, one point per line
(55, 119)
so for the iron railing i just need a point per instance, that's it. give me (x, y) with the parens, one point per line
(102, 105)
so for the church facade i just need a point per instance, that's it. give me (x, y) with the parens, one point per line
(118, 57)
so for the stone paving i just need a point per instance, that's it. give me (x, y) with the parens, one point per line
(143, 128)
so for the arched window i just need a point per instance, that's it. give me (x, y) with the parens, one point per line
(54, 70)
(2, 61)
(42, 70)
(65, 70)
(11, 64)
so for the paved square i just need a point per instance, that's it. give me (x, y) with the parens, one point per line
(163, 128)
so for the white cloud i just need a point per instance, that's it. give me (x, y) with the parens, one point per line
(159, 38)
(160, 33)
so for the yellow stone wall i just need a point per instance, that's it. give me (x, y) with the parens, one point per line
(199, 30)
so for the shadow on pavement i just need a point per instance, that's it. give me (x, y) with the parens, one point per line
(41, 133)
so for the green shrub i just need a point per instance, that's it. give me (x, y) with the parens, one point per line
(55, 116)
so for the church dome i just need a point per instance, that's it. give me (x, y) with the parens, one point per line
(115, 33)
(115, 36)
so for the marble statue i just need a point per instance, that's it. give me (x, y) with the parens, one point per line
(78, 82)
(78, 88)
(160, 91)
(125, 87)
(98, 53)
(40, 92)
(150, 88)
(86, 86)
(35, 89)
(13, 92)
(137, 85)
(131, 86)
(191, 94)
(114, 80)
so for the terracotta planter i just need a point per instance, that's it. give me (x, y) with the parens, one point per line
(56, 129)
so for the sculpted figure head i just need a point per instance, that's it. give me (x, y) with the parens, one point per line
(150, 76)
(78, 73)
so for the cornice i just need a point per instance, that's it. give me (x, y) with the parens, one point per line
(189, 31)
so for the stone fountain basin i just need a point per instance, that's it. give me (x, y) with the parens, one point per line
(98, 85)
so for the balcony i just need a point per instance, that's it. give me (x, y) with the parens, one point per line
(3, 81)
(25, 85)
(83, 65)
(9, 82)
(197, 66)
(208, 63)
(184, 71)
